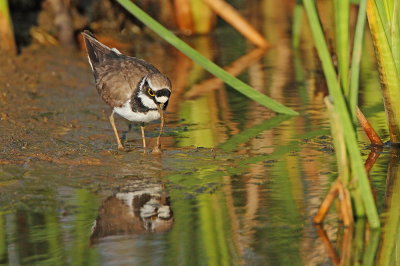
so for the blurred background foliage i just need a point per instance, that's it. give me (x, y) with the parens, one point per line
(39, 20)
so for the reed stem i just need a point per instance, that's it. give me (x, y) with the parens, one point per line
(7, 42)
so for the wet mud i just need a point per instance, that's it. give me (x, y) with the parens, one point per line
(53, 121)
(51, 111)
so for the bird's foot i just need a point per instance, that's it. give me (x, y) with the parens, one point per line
(120, 147)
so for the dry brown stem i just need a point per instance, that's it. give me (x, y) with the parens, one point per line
(326, 204)
(183, 15)
(346, 246)
(372, 158)
(233, 17)
(328, 245)
(346, 211)
(368, 129)
(345, 205)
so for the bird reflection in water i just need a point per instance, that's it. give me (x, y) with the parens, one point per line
(137, 208)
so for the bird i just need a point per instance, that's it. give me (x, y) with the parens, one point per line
(132, 87)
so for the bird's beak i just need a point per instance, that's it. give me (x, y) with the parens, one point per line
(161, 111)
(160, 108)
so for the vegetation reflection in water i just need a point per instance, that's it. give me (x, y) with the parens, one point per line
(206, 226)
(247, 197)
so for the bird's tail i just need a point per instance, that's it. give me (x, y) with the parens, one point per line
(95, 49)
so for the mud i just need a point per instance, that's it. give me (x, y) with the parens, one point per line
(51, 111)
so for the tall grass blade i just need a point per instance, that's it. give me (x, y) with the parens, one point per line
(342, 35)
(357, 166)
(391, 230)
(371, 249)
(343, 162)
(296, 26)
(356, 59)
(204, 62)
(395, 34)
(387, 66)
(388, 6)
(383, 15)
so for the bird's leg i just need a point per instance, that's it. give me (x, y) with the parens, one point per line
(120, 147)
(143, 138)
(125, 134)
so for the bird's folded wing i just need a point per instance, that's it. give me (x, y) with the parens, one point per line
(116, 80)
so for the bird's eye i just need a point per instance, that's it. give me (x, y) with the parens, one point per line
(150, 92)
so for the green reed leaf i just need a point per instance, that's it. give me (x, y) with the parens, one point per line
(296, 26)
(387, 65)
(342, 36)
(391, 231)
(395, 34)
(356, 59)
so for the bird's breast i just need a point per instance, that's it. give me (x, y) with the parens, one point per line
(126, 112)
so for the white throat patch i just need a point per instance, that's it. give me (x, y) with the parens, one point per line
(162, 99)
(147, 101)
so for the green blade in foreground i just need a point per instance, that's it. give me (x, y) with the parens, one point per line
(356, 59)
(389, 73)
(342, 36)
(204, 62)
(357, 166)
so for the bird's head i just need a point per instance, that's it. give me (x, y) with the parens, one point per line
(157, 88)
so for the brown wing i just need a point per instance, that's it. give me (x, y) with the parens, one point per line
(118, 77)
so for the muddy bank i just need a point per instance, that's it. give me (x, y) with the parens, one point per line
(50, 110)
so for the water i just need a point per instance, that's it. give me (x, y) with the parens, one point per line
(236, 184)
